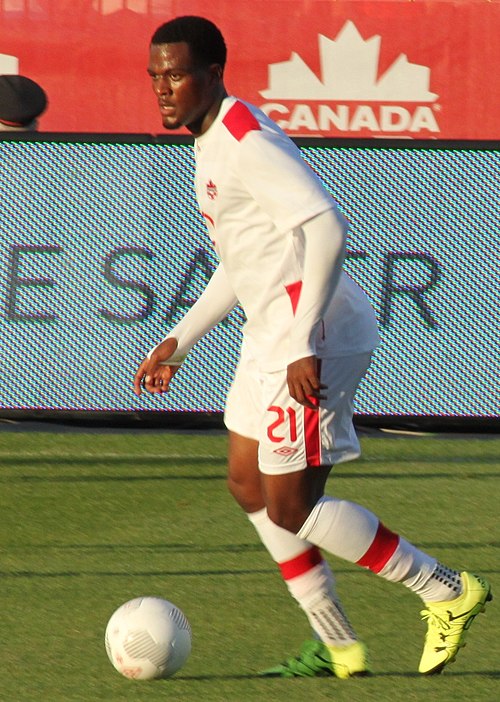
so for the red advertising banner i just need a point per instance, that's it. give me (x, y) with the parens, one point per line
(348, 68)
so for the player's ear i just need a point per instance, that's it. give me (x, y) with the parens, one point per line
(216, 72)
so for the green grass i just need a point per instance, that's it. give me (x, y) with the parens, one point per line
(90, 520)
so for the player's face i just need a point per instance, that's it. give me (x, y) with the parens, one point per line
(185, 91)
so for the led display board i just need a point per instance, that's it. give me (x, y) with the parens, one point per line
(102, 250)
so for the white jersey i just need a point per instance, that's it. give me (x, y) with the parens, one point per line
(255, 192)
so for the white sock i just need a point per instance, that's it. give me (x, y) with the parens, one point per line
(342, 528)
(408, 565)
(441, 584)
(349, 531)
(308, 578)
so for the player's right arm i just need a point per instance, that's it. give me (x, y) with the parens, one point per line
(160, 365)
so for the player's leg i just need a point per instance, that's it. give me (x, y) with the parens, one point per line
(307, 575)
(352, 532)
(452, 600)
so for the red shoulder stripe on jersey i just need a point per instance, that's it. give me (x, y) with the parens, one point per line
(239, 121)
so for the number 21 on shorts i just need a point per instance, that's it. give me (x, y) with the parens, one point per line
(283, 427)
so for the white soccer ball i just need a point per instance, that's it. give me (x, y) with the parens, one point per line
(148, 638)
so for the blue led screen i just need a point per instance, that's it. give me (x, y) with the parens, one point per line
(102, 249)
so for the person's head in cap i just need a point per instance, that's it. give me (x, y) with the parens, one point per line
(22, 101)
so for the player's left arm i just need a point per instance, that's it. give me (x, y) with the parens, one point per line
(274, 173)
(324, 237)
(162, 362)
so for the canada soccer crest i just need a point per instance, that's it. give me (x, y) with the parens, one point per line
(211, 190)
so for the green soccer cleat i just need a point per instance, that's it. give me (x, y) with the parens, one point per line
(319, 659)
(448, 623)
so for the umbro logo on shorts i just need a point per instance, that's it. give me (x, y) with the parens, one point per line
(285, 451)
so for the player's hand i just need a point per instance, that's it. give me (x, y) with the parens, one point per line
(303, 382)
(152, 375)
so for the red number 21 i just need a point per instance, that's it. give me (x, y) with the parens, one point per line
(290, 428)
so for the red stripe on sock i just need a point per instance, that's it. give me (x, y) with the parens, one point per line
(301, 563)
(382, 548)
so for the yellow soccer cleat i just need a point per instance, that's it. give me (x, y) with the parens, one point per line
(448, 623)
(319, 659)
(349, 661)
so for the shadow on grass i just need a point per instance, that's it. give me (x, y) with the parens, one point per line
(121, 460)
(493, 674)
(170, 547)
(167, 476)
(134, 574)
(105, 478)
(169, 573)
(228, 548)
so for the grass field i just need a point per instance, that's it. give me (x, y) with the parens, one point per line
(90, 520)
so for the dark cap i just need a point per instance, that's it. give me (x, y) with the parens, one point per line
(21, 100)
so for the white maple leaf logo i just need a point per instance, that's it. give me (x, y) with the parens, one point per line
(349, 67)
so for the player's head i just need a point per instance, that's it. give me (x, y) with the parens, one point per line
(205, 40)
(186, 63)
(22, 101)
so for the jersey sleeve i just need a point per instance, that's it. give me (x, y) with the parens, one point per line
(281, 182)
(215, 303)
(324, 237)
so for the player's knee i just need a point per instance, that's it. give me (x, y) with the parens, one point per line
(235, 489)
(287, 517)
(246, 494)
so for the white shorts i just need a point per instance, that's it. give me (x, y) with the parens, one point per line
(292, 437)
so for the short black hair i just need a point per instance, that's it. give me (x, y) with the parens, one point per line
(205, 40)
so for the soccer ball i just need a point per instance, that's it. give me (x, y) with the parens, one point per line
(148, 638)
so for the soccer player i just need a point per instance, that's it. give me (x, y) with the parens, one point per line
(307, 343)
